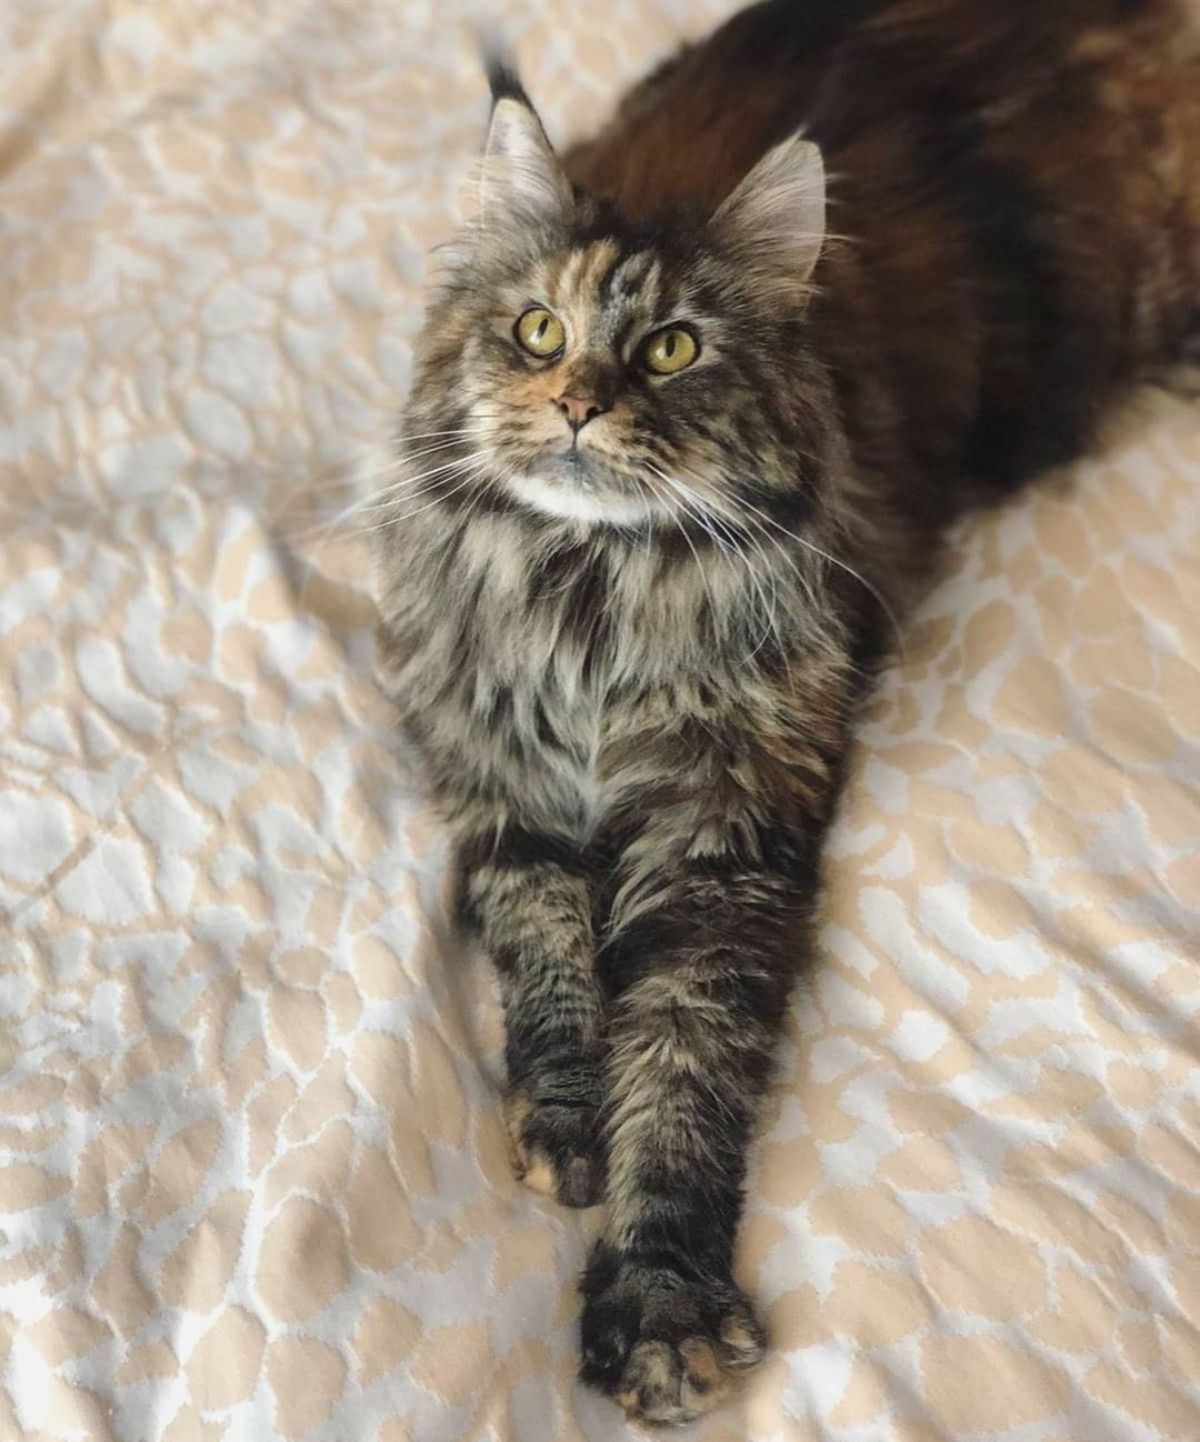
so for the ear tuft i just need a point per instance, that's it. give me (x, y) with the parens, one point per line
(774, 222)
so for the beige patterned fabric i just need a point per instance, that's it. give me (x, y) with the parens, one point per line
(252, 1179)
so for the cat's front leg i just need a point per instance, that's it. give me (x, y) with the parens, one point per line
(711, 922)
(665, 1330)
(529, 895)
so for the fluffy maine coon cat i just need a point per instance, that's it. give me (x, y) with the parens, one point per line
(675, 459)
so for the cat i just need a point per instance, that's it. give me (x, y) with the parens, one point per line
(681, 455)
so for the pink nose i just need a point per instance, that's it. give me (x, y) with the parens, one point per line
(578, 410)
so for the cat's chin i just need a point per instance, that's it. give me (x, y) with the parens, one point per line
(568, 500)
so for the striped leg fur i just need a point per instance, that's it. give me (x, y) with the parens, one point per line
(534, 914)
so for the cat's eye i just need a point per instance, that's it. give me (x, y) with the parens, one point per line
(540, 333)
(669, 351)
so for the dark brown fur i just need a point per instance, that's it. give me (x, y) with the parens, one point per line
(1020, 186)
(636, 702)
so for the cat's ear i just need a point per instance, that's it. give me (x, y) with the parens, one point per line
(774, 222)
(521, 177)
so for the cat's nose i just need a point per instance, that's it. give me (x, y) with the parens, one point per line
(578, 410)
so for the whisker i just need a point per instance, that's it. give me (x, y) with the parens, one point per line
(403, 436)
(451, 439)
(356, 475)
(376, 498)
(726, 541)
(849, 571)
(770, 604)
(402, 481)
(469, 479)
(753, 531)
(370, 504)
(750, 528)
(712, 600)
(743, 504)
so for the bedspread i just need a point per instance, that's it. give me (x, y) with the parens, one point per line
(252, 1176)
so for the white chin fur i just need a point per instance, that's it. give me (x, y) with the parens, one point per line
(573, 503)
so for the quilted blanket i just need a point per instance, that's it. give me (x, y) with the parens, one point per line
(252, 1178)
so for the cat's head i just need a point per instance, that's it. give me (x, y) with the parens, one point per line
(588, 369)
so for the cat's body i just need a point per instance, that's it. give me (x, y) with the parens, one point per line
(1019, 186)
(632, 616)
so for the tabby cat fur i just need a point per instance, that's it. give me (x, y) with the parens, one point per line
(629, 615)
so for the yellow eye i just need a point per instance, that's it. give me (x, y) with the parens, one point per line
(668, 351)
(540, 333)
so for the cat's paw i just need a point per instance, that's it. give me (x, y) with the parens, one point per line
(558, 1150)
(664, 1348)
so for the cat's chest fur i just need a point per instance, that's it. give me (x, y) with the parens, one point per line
(525, 657)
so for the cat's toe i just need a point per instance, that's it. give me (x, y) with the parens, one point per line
(557, 1149)
(664, 1349)
(674, 1383)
